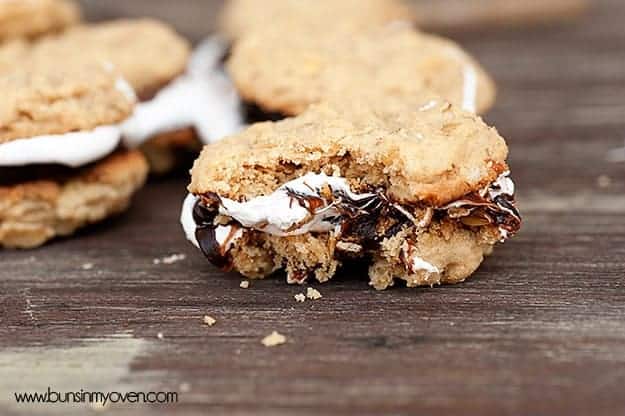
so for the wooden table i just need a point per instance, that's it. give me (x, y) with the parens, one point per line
(539, 330)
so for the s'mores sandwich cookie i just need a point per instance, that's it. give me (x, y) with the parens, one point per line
(421, 194)
(62, 165)
(286, 73)
(28, 19)
(239, 18)
(185, 99)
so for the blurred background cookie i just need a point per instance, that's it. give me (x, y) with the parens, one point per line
(196, 18)
(32, 18)
(61, 162)
(184, 97)
(285, 72)
(241, 17)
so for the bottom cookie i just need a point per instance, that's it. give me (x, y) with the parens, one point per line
(168, 151)
(455, 250)
(35, 212)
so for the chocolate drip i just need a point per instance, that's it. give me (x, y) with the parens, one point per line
(206, 236)
(481, 208)
(207, 239)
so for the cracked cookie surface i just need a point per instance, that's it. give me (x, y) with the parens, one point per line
(430, 151)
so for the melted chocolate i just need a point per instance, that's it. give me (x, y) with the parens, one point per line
(207, 239)
(206, 236)
(499, 211)
(365, 222)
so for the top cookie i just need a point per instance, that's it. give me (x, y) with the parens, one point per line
(32, 18)
(433, 153)
(287, 72)
(147, 52)
(52, 100)
(242, 17)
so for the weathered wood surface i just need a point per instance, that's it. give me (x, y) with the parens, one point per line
(539, 330)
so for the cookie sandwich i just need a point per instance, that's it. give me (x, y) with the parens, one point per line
(185, 99)
(286, 73)
(62, 165)
(28, 19)
(421, 194)
(239, 18)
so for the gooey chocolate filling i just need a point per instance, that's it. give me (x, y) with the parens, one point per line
(362, 224)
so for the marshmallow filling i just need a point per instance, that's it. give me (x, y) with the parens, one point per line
(55, 157)
(202, 99)
(358, 222)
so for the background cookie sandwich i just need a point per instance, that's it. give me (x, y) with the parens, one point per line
(33, 18)
(61, 162)
(286, 73)
(423, 194)
(242, 17)
(185, 99)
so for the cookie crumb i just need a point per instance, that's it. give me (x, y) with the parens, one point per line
(244, 284)
(174, 258)
(313, 294)
(87, 266)
(604, 181)
(300, 297)
(209, 320)
(273, 339)
(160, 335)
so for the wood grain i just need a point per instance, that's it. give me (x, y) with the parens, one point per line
(539, 330)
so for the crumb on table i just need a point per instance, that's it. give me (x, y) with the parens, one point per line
(604, 181)
(209, 320)
(87, 266)
(174, 258)
(313, 294)
(300, 297)
(244, 284)
(273, 339)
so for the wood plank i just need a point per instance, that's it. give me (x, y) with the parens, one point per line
(540, 328)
